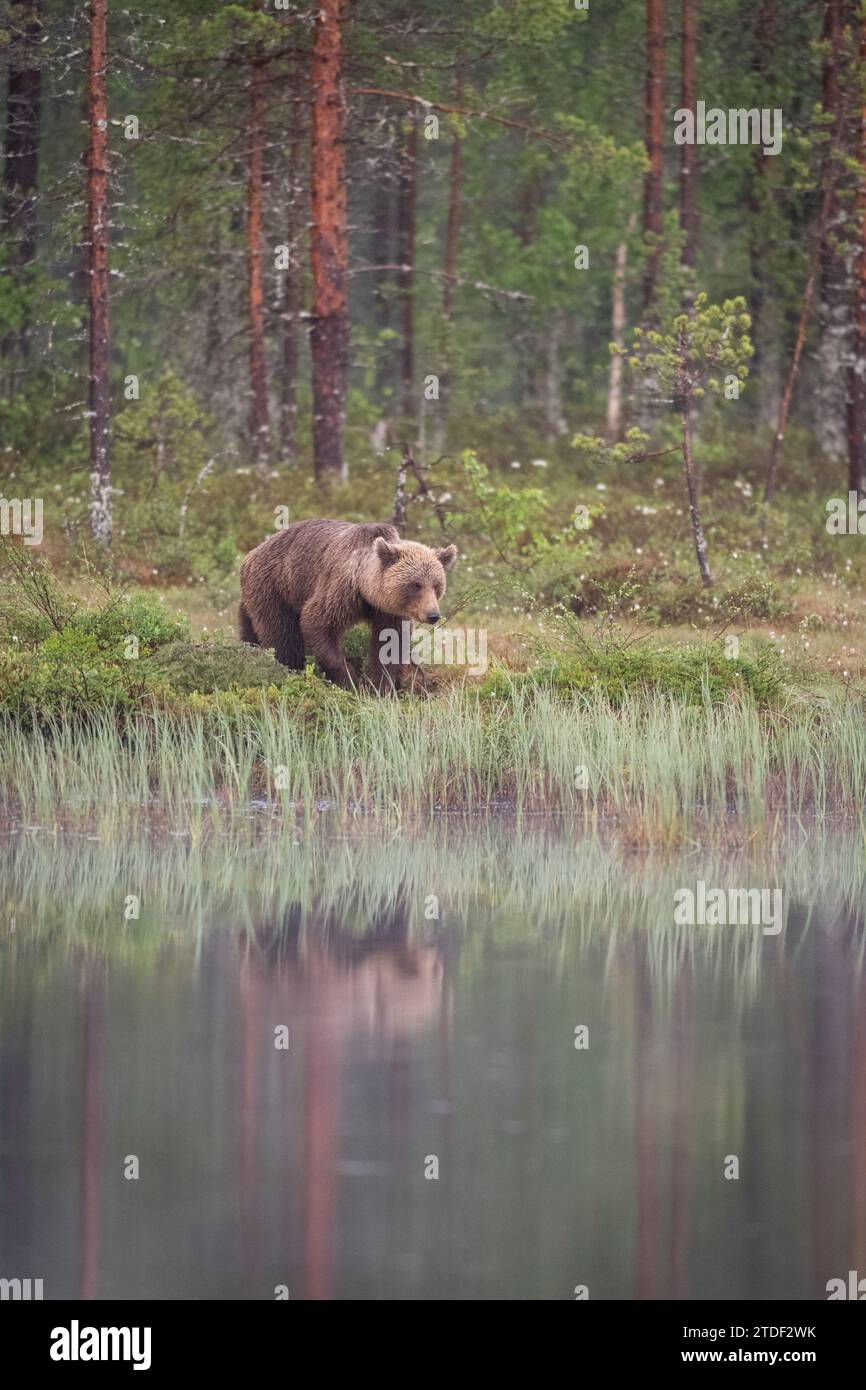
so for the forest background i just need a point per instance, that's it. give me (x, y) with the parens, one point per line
(264, 261)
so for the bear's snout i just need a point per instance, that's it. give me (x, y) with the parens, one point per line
(433, 616)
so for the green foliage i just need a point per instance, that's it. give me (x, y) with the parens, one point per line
(68, 674)
(36, 607)
(210, 666)
(597, 454)
(172, 514)
(510, 516)
(537, 554)
(141, 615)
(356, 644)
(304, 698)
(680, 358)
(60, 654)
(696, 674)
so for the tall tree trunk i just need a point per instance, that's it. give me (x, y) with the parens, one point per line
(834, 343)
(383, 252)
(259, 425)
(764, 368)
(213, 328)
(23, 124)
(408, 204)
(617, 326)
(857, 368)
(692, 487)
(688, 155)
(97, 232)
(654, 136)
(531, 379)
(329, 335)
(290, 307)
(554, 421)
(452, 241)
(774, 464)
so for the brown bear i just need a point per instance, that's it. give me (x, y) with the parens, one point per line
(305, 585)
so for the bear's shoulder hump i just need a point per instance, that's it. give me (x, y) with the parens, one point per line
(369, 532)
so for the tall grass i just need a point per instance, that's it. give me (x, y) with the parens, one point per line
(655, 764)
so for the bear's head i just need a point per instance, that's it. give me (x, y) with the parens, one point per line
(411, 579)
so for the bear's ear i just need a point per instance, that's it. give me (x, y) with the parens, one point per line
(387, 553)
(447, 556)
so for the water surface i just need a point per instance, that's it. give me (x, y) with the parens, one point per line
(430, 984)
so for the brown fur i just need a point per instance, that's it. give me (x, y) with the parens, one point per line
(304, 586)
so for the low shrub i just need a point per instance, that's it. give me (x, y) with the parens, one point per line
(66, 674)
(210, 666)
(694, 674)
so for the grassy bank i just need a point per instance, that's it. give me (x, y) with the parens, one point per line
(659, 766)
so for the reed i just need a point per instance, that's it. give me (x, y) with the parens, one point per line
(657, 767)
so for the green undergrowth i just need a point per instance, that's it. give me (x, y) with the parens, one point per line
(75, 657)
(695, 673)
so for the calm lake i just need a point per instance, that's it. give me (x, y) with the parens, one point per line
(471, 1061)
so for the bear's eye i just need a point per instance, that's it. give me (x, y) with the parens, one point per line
(415, 585)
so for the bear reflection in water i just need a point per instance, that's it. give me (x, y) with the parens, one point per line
(381, 984)
(334, 989)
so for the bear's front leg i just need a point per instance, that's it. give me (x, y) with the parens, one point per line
(386, 654)
(324, 644)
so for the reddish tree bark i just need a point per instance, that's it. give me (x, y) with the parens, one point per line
(259, 424)
(831, 36)
(830, 171)
(775, 463)
(407, 220)
(452, 241)
(654, 138)
(290, 307)
(857, 369)
(765, 38)
(617, 325)
(252, 1006)
(688, 157)
(329, 335)
(21, 163)
(97, 232)
(92, 1009)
